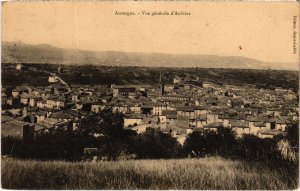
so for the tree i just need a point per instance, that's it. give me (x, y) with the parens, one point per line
(220, 142)
(8, 145)
(227, 141)
(213, 142)
(155, 144)
(293, 134)
(106, 123)
(195, 144)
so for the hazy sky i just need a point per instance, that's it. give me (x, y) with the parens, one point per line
(264, 31)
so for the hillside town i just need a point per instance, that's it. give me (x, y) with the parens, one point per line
(177, 108)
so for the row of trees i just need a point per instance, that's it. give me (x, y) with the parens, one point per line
(105, 132)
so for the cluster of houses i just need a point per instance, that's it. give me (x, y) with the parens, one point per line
(178, 108)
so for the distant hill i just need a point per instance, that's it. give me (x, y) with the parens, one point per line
(13, 52)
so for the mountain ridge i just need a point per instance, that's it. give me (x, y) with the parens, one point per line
(15, 52)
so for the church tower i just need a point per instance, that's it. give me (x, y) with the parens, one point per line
(59, 69)
(161, 86)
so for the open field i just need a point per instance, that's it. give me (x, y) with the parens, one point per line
(206, 173)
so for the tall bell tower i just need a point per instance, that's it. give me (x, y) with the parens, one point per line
(161, 86)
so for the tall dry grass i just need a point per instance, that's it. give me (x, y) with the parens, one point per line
(206, 173)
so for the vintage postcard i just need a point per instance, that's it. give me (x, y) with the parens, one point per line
(150, 95)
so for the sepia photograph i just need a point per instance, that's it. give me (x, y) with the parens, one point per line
(149, 95)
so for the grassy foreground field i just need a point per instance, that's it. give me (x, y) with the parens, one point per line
(206, 173)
